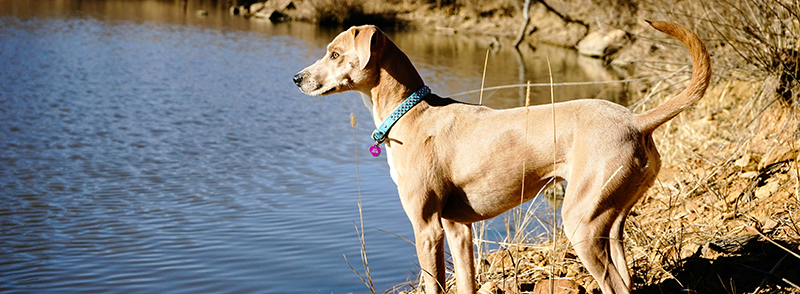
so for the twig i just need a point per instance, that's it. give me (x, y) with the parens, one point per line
(511, 86)
(525, 142)
(483, 79)
(526, 20)
(398, 236)
(354, 270)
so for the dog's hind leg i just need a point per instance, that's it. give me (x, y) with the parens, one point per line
(618, 247)
(639, 184)
(593, 222)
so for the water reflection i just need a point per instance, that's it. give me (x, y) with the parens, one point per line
(456, 63)
(451, 61)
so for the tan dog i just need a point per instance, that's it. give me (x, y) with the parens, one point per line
(455, 163)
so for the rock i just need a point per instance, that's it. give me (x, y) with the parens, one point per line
(263, 13)
(769, 225)
(256, 7)
(743, 161)
(236, 10)
(283, 5)
(770, 188)
(275, 11)
(488, 288)
(690, 249)
(749, 175)
(271, 14)
(600, 44)
(778, 154)
(559, 287)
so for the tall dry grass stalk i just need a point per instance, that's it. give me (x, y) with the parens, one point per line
(367, 278)
(483, 77)
(551, 285)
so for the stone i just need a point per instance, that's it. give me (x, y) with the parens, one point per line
(600, 44)
(255, 7)
(559, 287)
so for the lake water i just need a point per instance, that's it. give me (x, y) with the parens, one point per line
(147, 149)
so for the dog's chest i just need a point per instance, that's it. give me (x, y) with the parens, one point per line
(392, 168)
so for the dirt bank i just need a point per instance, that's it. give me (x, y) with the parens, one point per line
(502, 19)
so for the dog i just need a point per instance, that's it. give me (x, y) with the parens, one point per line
(456, 163)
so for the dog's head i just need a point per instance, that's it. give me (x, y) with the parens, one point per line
(348, 63)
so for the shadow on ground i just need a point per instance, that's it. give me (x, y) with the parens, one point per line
(755, 265)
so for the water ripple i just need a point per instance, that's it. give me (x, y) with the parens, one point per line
(158, 158)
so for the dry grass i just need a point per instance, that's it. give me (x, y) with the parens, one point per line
(730, 172)
(337, 12)
(724, 215)
(395, 13)
(728, 189)
(754, 40)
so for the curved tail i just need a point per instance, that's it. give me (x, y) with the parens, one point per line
(651, 119)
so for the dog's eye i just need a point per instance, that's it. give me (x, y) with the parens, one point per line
(334, 55)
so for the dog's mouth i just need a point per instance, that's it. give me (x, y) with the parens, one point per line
(320, 90)
(313, 88)
(329, 91)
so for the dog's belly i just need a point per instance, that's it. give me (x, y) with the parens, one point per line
(475, 205)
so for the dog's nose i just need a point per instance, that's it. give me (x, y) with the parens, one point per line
(298, 79)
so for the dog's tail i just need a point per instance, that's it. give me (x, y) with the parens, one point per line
(651, 119)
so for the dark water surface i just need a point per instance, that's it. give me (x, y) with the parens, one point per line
(144, 149)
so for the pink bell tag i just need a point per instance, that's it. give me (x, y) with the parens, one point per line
(375, 150)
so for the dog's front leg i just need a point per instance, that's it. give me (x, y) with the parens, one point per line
(429, 238)
(424, 212)
(459, 239)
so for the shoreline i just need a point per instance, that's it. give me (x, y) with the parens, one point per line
(498, 19)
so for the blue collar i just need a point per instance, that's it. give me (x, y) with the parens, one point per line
(379, 135)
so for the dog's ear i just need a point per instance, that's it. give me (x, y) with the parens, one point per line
(367, 40)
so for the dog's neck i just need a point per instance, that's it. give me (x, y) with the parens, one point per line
(396, 81)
